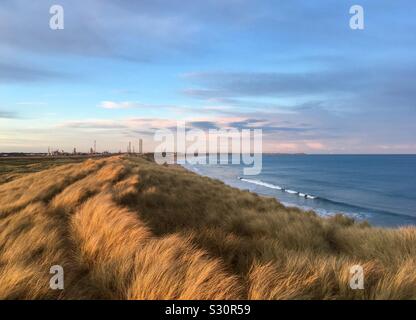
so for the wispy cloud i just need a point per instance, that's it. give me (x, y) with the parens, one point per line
(8, 115)
(278, 65)
(98, 32)
(337, 89)
(204, 125)
(120, 105)
(16, 72)
(92, 124)
(231, 84)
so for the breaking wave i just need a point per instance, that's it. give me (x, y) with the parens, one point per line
(276, 187)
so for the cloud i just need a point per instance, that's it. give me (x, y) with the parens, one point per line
(92, 124)
(10, 72)
(142, 30)
(204, 125)
(120, 105)
(315, 145)
(270, 126)
(248, 123)
(152, 124)
(121, 125)
(103, 28)
(337, 89)
(287, 63)
(8, 115)
(135, 105)
(226, 84)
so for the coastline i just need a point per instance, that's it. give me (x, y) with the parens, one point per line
(129, 220)
(379, 218)
(322, 213)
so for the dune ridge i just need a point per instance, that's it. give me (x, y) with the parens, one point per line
(127, 228)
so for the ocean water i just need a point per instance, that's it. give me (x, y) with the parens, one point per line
(378, 188)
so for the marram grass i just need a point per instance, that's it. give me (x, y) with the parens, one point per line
(126, 228)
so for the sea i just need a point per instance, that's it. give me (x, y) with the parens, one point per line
(380, 189)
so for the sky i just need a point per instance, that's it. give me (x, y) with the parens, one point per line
(119, 70)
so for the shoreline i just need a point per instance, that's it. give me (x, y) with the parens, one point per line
(284, 203)
(321, 212)
(131, 219)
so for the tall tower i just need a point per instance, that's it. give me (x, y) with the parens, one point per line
(129, 146)
(95, 146)
(141, 146)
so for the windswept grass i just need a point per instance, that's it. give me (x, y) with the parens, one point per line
(12, 168)
(126, 228)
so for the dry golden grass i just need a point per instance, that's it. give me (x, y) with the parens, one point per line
(126, 228)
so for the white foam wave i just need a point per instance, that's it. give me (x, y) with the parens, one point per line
(261, 183)
(276, 187)
(291, 191)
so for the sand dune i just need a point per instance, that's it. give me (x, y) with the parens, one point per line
(126, 228)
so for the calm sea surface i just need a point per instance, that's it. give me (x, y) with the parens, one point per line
(378, 188)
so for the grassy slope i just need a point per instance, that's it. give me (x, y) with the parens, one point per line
(126, 228)
(12, 168)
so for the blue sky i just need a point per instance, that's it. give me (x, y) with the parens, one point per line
(121, 69)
